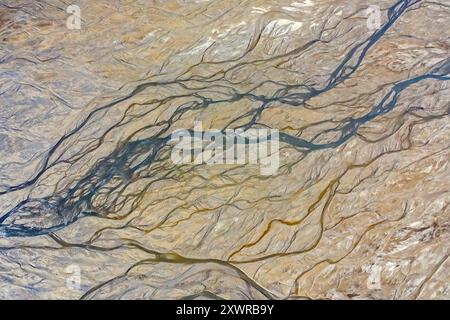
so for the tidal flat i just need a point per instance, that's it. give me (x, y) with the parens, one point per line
(355, 96)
